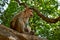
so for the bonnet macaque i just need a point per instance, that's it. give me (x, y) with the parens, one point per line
(20, 21)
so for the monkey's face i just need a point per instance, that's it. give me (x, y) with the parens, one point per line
(30, 13)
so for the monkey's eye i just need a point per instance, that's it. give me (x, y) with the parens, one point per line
(30, 10)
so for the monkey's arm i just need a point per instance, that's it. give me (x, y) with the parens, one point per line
(19, 25)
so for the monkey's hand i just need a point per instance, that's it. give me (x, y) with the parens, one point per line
(27, 29)
(32, 32)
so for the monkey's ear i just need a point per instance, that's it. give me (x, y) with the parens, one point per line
(26, 8)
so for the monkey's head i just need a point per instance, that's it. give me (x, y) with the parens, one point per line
(29, 12)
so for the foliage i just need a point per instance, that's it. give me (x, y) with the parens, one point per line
(42, 28)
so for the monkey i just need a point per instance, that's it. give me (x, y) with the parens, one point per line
(20, 21)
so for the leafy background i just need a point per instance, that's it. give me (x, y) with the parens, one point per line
(49, 8)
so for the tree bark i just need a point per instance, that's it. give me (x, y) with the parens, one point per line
(10, 34)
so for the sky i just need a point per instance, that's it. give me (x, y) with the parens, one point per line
(58, 4)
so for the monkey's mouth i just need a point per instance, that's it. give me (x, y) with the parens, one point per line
(31, 15)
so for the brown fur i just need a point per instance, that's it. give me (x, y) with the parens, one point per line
(19, 22)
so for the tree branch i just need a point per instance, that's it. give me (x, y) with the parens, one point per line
(48, 20)
(21, 3)
(9, 34)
